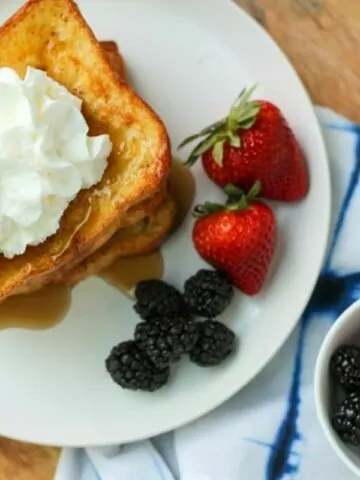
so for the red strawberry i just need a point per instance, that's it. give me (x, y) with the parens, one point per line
(253, 143)
(238, 238)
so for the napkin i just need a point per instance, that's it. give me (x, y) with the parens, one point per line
(269, 430)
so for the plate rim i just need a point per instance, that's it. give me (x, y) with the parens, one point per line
(327, 192)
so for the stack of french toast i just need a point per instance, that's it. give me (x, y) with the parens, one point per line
(130, 211)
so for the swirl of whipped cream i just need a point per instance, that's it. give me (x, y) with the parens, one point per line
(46, 157)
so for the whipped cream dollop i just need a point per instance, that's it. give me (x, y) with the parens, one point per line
(46, 157)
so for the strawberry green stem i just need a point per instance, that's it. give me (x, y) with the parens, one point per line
(207, 208)
(238, 201)
(242, 115)
(234, 191)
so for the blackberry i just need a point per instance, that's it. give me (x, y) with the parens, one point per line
(130, 368)
(155, 298)
(346, 420)
(345, 366)
(208, 293)
(165, 339)
(215, 343)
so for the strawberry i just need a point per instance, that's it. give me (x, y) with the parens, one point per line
(253, 143)
(237, 238)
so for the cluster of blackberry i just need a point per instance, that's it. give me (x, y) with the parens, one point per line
(169, 329)
(345, 372)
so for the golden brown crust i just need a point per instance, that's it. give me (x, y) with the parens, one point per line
(131, 239)
(53, 35)
(140, 239)
(115, 58)
(135, 215)
(159, 212)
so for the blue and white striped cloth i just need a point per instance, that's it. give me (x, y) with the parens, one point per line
(269, 430)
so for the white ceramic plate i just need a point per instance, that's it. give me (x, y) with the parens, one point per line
(189, 59)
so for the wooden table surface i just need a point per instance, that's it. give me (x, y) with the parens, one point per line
(321, 38)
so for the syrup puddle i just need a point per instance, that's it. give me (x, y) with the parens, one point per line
(183, 187)
(38, 310)
(126, 273)
(46, 308)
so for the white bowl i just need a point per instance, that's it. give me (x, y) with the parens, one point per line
(346, 329)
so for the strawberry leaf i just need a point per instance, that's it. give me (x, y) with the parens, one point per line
(238, 100)
(206, 209)
(243, 98)
(244, 111)
(247, 123)
(242, 115)
(235, 140)
(218, 152)
(189, 139)
(254, 190)
(233, 191)
(240, 204)
(201, 148)
(206, 131)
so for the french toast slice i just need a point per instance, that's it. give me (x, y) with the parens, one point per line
(53, 36)
(142, 211)
(144, 227)
(115, 58)
(137, 240)
(140, 239)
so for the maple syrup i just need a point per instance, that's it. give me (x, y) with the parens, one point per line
(47, 307)
(43, 308)
(75, 231)
(183, 187)
(38, 310)
(126, 273)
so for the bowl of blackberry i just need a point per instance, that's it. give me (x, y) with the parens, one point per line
(337, 387)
